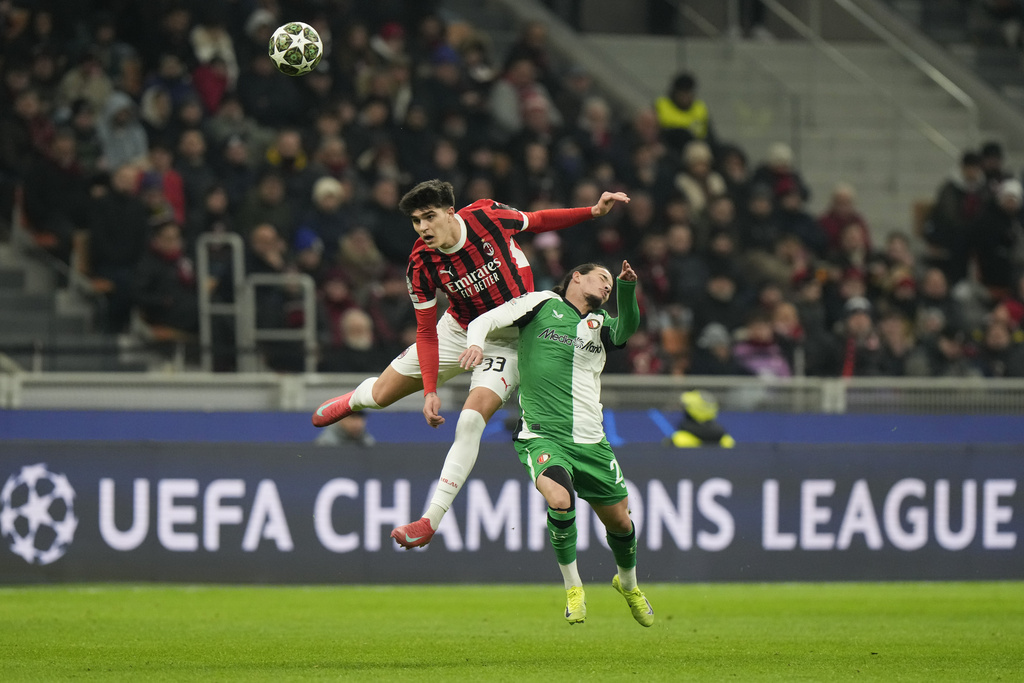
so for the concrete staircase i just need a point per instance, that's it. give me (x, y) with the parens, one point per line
(42, 328)
(760, 93)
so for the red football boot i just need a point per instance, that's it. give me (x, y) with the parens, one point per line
(329, 412)
(415, 534)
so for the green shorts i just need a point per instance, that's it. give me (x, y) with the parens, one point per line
(594, 471)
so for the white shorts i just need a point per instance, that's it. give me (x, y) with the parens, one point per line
(498, 371)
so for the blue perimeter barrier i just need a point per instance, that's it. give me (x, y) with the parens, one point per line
(623, 427)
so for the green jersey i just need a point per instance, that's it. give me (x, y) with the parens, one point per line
(561, 355)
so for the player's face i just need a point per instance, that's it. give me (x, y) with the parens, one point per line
(596, 287)
(437, 227)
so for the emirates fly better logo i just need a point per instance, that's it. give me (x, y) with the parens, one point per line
(37, 514)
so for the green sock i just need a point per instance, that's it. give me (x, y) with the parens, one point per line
(562, 530)
(623, 548)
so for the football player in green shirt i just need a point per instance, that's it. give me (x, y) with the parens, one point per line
(563, 337)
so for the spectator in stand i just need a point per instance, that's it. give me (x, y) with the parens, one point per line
(266, 203)
(732, 166)
(211, 80)
(150, 191)
(992, 165)
(514, 92)
(687, 270)
(87, 137)
(794, 220)
(55, 196)
(683, 117)
(156, 112)
(859, 348)
(779, 173)
(359, 350)
(719, 216)
(161, 164)
(388, 226)
(698, 181)
(86, 81)
(26, 134)
(212, 216)
(272, 101)
(308, 255)
(197, 175)
(758, 349)
(901, 295)
(895, 332)
(532, 45)
(956, 208)
(331, 217)
(361, 262)
(1000, 355)
(393, 319)
(713, 355)
(852, 253)
(842, 212)
(934, 297)
(275, 305)
(164, 285)
(235, 170)
(942, 356)
(211, 41)
(995, 236)
(719, 304)
(653, 271)
(123, 137)
(118, 231)
(288, 158)
(758, 225)
(232, 121)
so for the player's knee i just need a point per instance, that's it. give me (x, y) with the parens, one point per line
(561, 497)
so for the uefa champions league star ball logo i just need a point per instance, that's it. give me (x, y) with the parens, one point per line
(37, 514)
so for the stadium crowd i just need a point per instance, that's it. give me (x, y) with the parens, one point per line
(129, 129)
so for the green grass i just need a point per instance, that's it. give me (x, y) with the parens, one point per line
(704, 632)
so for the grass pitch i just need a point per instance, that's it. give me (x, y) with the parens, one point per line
(703, 632)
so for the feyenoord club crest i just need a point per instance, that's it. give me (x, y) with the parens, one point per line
(593, 324)
(544, 457)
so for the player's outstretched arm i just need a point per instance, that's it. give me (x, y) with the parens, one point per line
(626, 324)
(607, 201)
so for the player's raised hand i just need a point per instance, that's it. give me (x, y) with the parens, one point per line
(607, 201)
(432, 410)
(627, 274)
(471, 357)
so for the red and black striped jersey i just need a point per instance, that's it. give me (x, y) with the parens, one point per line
(484, 270)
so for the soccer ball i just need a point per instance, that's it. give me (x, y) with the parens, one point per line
(37, 514)
(296, 48)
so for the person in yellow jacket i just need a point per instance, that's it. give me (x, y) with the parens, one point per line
(682, 116)
(699, 426)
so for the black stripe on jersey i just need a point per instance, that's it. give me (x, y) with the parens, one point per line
(483, 296)
(423, 277)
(503, 247)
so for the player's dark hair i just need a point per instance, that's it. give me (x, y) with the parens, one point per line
(430, 194)
(582, 270)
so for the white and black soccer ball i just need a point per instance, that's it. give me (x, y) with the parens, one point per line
(296, 48)
(37, 514)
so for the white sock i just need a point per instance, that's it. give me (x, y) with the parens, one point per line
(571, 575)
(627, 577)
(457, 464)
(362, 397)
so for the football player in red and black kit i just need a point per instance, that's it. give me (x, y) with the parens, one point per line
(471, 255)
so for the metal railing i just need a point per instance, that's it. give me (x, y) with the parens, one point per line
(242, 304)
(303, 392)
